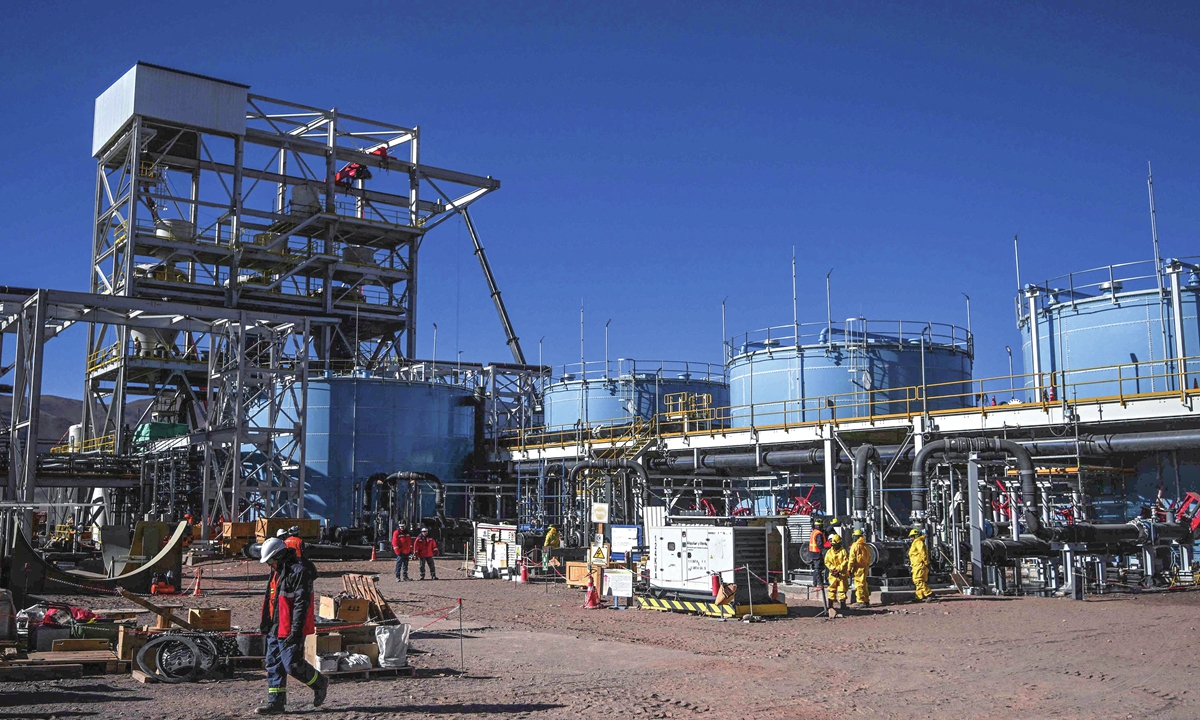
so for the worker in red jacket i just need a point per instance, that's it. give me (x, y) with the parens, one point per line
(288, 616)
(402, 545)
(425, 548)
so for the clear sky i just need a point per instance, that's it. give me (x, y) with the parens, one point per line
(659, 157)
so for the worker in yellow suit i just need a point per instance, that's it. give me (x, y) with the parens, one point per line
(918, 557)
(860, 562)
(837, 562)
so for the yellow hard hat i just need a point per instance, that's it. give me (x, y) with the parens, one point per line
(835, 539)
(914, 533)
(857, 533)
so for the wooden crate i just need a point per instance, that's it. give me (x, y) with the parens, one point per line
(238, 530)
(268, 527)
(210, 618)
(75, 644)
(577, 575)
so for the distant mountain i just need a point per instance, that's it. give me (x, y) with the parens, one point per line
(60, 413)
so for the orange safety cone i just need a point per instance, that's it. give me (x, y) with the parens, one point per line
(592, 600)
(196, 590)
(372, 553)
(524, 573)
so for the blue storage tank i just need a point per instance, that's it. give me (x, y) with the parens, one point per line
(615, 393)
(362, 425)
(1109, 331)
(859, 368)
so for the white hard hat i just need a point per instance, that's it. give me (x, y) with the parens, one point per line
(271, 548)
(281, 533)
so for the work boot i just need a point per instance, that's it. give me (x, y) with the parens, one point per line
(320, 688)
(433, 577)
(274, 704)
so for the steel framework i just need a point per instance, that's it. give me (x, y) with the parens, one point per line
(278, 207)
(250, 411)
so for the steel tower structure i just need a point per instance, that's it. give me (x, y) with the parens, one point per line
(212, 196)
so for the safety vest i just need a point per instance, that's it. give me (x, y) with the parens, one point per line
(816, 541)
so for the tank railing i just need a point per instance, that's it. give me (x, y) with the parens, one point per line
(1112, 383)
(448, 373)
(1103, 281)
(625, 367)
(856, 333)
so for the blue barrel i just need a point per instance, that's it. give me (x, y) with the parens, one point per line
(856, 369)
(1108, 332)
(629, 389)
(359, 426)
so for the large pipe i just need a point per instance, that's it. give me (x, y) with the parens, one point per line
(863, 454)
(1029, 494)
(1102, 445)
(413, 505)
(614, 464)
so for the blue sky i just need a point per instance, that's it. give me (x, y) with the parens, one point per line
(659, 157)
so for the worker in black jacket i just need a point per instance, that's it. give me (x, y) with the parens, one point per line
(288, 616)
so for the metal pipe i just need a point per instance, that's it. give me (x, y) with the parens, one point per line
(863, 454)
(1174, 267)
(614, 464)
(1035, 351)
(1029, 495)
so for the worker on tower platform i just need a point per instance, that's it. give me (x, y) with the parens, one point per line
(918, 557)
(402, 545)
(860, 563)
(837, 562)
(817, 545)
(288, 616)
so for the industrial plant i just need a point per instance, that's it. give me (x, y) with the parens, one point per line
(251, 366)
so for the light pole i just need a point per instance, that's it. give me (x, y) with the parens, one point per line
(435, 350)
(1012, 392)
(606, 322)
(968, 297)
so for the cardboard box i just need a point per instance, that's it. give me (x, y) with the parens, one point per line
(348, 609)
(358, 635)
(323, 644)
(371, 650)
(210, 618)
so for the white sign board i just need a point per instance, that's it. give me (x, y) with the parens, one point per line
(600, 513)
(624, 539)
(618, 583)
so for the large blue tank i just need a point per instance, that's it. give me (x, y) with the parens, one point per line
(359, 426)
(820, 371)
(615, 393)
(1109, 332)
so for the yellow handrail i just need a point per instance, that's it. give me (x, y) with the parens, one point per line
(1048, 390)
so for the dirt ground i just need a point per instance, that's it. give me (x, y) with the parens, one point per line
(532, 652)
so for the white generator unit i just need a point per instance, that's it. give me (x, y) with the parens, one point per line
(496, 550)
(684, 558)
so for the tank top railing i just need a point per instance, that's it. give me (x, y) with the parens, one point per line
(1122, 384)
(1104, 281)
(856, 332)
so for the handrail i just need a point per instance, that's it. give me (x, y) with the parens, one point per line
(855, 332)
(627, 367)
(1109, 383)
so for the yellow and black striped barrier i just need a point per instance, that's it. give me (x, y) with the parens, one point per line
(711, 609)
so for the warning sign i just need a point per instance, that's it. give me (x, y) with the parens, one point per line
(600, 513)
(599, 555)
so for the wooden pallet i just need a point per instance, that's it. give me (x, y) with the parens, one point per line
(93, 662)
(373, 673)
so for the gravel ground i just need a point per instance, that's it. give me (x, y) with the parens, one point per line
(531, 652)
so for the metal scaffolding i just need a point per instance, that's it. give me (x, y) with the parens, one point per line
(243, 201)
